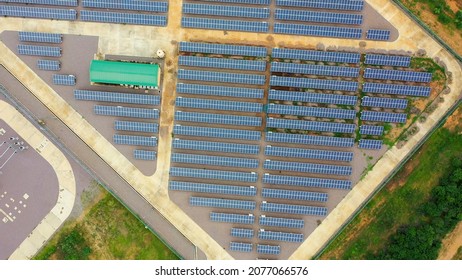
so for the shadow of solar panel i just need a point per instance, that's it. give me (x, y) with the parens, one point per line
(221, 24)
(213, 104)
(222, 147)
(306, 182)
(212, 188)
(212, 132)
(294, 195)
(388, 60)
(392, 103)
(222, 203)
(293, 209)
(280, 236)
(136, 126)
(223, 63)
(311, 55)
(242, 232)
(130, 112)
(138, 5)
(48, 65)
(352, 5)
(117, 97)
(310, 125)
(370, 144)
(371, 130)
(223, 49)
(317, 30)
(268, 249)
(339, 170)
(378, 34)
(144, 155)
(311, 69)
(70, 3)
(223, 77)
(135, 140)
(214, 174)
(420, 91)
(240, 247)
(313, 83)
(308, 153)
(312, 97)
(65, 80)
(35, 12)
(226, 11)
(311, 111)
(281, 222)
(232, 218)
(40, 37)
(39, 50)
(217, 119)
(314, 16)
(219, 91)
(214, 160)
(383, 117)
(396, 75)
(122, 18)
(309, 139)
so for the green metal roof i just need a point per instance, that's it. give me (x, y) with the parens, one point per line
(127, 73)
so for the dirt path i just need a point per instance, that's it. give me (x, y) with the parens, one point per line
(451, 243)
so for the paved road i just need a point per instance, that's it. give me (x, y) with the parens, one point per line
(72, 145)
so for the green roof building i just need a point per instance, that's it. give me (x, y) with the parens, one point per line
(125, 73)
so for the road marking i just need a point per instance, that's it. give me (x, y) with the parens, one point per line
(6, 215)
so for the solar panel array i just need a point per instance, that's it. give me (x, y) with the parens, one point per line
(214, 160)
(371, 130)
(65, 80)
(223, 49)
(293, 209)
(308, 153)
(144, 155)
(237, 92)
(392, 103)
(370, 144)
(313, 83)
(128, 112)
(214, 174)
(138, 5)
(222, 147)
(222, 203)
(123, 18)
(39, 50)
(338, 170)
(135, 140)
(240, 247)
(250, 2)
(314, 16)
(420, 91)
(408, 76)
(311, 55)
(310, 139)
(222, 77)
(317, 30)
(136, 126)
(383, 117)
(351, 5)
(311, 69)
(312, 97)
(212, 132)
(223, 24)
(388, 60)
(311, 125)
(212, 188)
(280, 236)
(242, 232)
(281, 222)
(231, 218)
(213, 104)
(268, 249)
(217, 118)
(318, 112)
(48, 65)
(226, 11)
(224, 63)
(35, 12)
(378, 34)
(294, 195)
(70, 3)
(306, 182)
(117, 97)
(40, 37)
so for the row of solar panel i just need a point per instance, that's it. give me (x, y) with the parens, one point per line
(280, 236)
(308, 153)
(225, 24)
(226, 11)
(218, 119)
(136, 140)
(222, 147)
(212, 132)
(318, 112)
(212, 188)
(315, 16)
(374, 116)
(392, 103)
(313, 83)
(352, 5)
(136, 126)
(420, 91)
(35, 50)
(210, 62)
(248, 247)
(138, 5)
(129, 112)
(408, 76)
(36, 12)
(237, 92)
(197, 159)
(144, 155)
(222, 77)
(311, 69)
(117, 97)
(250, 2)
(123, 18)
(223, 49)
(309, 139)
(370, 144)
(214, 104)
(250, 219)
(317, 30)
(70, 3)
(310, 125)
(64, 80)
(312, 97)
(306, 182)
(40, 37)
(311, 55)
(378, 34)
(329, 169)
(48, 65)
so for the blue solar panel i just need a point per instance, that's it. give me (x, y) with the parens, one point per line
(40, 37)
(280, 236)
(313, 16)
(313, 83)
(306, 182)
(222, 203)
(311, 69)
(396, 75)
(317, 30)
(214, 160)
(137, 5)
(129, 112)
(123, 18)
(309, 139)
(268, 249)
(39, 50)
(222, 24)
(370, 144)
(420, 91)
(65, 80)
(240, 247)
(214, 174)
(250, 2)
(374, 116)
(352, 5)
(296, 54)
(310, 125)
(312, 97)
(318, 112)
(293, 209)
(214, 104)
(226, 11)
(48, 65)
(219, 91)
(392, 103)
(144, 155)
(70, 3)
(388, 60)
(35, 12)
(294, 195)
(281, 222)
(136, 126)
(212, 132)
(308, 153)
(378, 34)
(232, 218)
(223, 49)
(212, 188)
(338, 170)
(222, 77)
(117, 97)
(222, 147)
(242, 232)
(217, 118)
(136, 140)
(371, 130)
(223, 63)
